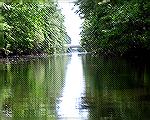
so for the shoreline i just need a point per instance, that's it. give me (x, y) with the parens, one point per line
(25, 58)
(17, 58)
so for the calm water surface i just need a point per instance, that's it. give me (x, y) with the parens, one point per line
(75, 87)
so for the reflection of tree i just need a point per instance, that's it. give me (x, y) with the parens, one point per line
(5, 91)
(141, 72)
(113, 89)
(54, 76)
(34, 86)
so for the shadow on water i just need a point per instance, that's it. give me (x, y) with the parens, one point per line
(116, 89)
(75, 87)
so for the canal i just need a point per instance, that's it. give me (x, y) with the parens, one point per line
(74, 87)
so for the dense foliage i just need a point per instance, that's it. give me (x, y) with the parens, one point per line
(115, 27)
(32, 26)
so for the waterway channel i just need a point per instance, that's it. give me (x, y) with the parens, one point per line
(74, 87)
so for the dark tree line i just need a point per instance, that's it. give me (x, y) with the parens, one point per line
(115, 27)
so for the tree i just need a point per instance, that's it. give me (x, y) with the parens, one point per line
(114, 26)
(32, 26)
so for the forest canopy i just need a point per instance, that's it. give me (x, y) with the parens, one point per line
(115, 27)
(31, 26)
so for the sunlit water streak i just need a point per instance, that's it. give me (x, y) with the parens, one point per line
(74, 89)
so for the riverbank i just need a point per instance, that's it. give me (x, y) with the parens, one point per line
(143, 56)
(17, 58)
(134, 58)
(132, 53)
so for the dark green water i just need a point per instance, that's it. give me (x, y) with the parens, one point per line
(72, 87)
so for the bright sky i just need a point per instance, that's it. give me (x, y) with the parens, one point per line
(72, 20)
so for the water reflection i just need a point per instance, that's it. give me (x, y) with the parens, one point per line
(28, 89)
(73, 91)
(77, 87)
(116, 89)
